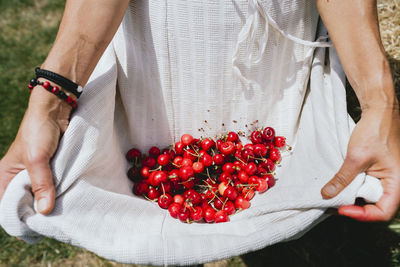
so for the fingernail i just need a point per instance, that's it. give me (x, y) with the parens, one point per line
(329, 190)
(43, 205)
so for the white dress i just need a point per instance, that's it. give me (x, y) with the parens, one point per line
(200, 67)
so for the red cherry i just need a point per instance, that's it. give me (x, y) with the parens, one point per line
(248, 193)
(280, 141)
(231, 193)
(186, 162)
(153, 193)
(218, 159)
(145, 172)
(242, 203)
(154, 152)
(269, 133)
(225, 177)
(219, 143)
(163, 159)
(197, 214)
(262, 185)
(256, 137)
(253, 180)
(251, 168)
(133, 154)
(268, 164)
(227, 148)
(164, 201)
(190, 154)
(178, 161)
(207, 160)
(270, 180)
(243, 177)
(229, 207)
(140, 188)
(149, 162)
(228, 168)
(210, 193)
(179, 148)
(260, 150)
(188, 184)
(179, 199)
(221, 216)
(275, 155)
(209, 214)
(186, 139)
(159, 177)
(239, 147)
(134, 174)
(233, 137)
(186, 172)
(184, 214)
(219, 203)
(207, 144)
(174, 209)
(192, 196)
(247, 155)
(198, 167)
(249, 146)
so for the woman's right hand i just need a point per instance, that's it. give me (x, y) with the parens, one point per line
(45, 120)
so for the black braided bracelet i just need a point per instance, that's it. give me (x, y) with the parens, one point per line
(65, 83)
(55, 90)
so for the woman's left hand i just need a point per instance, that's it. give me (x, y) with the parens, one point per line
(374, 148)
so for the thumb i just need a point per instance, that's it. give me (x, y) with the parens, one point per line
(42, 184)
(349, 170)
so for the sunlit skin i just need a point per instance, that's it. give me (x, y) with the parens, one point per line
(83, 36)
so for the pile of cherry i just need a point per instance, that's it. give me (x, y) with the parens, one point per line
(205, 179)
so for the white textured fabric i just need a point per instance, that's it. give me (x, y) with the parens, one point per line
(168, 71)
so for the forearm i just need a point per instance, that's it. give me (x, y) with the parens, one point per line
(86, 29)
(354, 29)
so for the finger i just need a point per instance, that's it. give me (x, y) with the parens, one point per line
(342, 178)
(383, 210)
(42, 184)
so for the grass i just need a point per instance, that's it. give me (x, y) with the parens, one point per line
(28, 28)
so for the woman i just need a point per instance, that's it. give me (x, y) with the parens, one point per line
(88, 27)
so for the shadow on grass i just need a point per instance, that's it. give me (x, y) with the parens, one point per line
(337, 241)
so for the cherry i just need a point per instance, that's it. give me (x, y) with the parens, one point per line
(260, 150)
(179, 199)
(268, 164)
(188, 184)
(192, 196)
(232, 137)
(134, 174)
(149, 162)
(256, 137)
(210, 193)
(153, 193)
(227, 148)
(229, 207)
(154, 151)
(243, 177)
(145, 172)
(140, 188)
(280, 141)
(163, 159)
(225, 177)
(186, 162)
(159, 177)
(166, 187)
(269, 133)
(248, 193)
(186, 172)
(184, 214)
(242, 203)
(239, 146)
(231, 193)
(247, 155)
(219, 202)
(207, 144)
(251, 168)
(218, 159)
(178, 161)
(169, 152)
(270, 180)
(186, 139)
(228, 168)
(221, 216)
(207, 160)
(164, 201)
(197, 214)
(249, 146)
(189, 154)
(209, 214)
(198, 167)
(253, 180)
(222, 187)
(133, 154)
(275, 155)
(179, 148)
(174, 209)
(262, 185)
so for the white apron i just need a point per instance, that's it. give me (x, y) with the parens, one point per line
(200, 67)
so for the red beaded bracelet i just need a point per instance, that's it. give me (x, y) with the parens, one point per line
(55, 90)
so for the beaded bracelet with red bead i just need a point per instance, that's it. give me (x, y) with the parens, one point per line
(55, 90)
